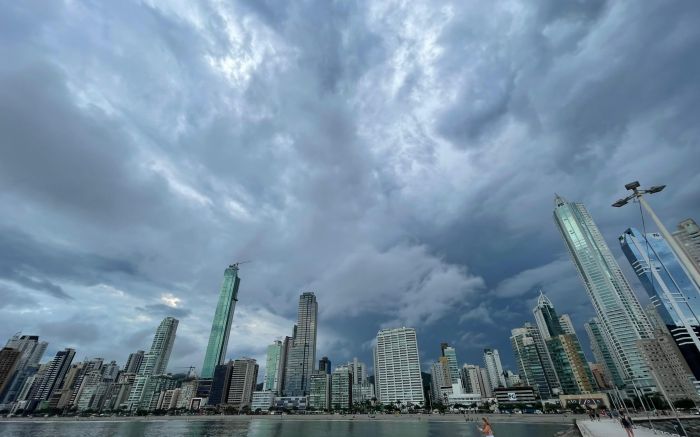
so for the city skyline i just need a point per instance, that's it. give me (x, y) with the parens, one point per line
(403, 170)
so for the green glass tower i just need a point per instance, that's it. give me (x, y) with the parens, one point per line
(221, 325)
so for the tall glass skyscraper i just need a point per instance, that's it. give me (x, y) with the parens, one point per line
(671, 289)
(221, 325)
(621, 317)
(274, 367)
(301, 355)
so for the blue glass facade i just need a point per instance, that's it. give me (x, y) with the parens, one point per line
(670, 287)
(221, 325)
(622, 320)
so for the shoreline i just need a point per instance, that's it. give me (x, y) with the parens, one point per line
(449, 418)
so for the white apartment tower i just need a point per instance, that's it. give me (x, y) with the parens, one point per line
(397, 367)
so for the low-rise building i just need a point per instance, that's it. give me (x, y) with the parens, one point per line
(514, 395)
(262, 400)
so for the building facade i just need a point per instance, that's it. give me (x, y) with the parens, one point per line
(32, 351)
(670, 287)
(244, 377)
(564, 350)
(9, 359)
(621, 317)
(534, 364)
(341, 389)
(602, 353)
(320, 391)
(221, 325)
(450, 353)
(494, 368)
(155, 362)
(397, 367)
(301, 354)
(274, 367)
(688, 237)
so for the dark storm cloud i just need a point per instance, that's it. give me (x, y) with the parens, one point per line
(399, 160)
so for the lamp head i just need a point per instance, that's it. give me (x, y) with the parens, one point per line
(656, 189)
(632, 185)
(620, 203)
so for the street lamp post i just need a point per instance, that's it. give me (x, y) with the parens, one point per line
(680, 253)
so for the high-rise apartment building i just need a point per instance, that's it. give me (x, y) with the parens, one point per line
(133, 363)
(475, 380)
(31, 352)
(274, 367)
(440, 380)
(55, 372)
(669, 368)
(244, 377)
(320, 390)
(155, 362)
(221, 325)
(397, 367)
(451, 355)
(670, 287)
(494, 368)
(688, 237)
(534, 364)
(9, 359)
(341, 388)
(564, 350)
(621, 317)
(324, 365)
(301, 354)
(602, 353)
(221, 382)
(566, 324)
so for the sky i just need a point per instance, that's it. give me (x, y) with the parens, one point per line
(399, 159)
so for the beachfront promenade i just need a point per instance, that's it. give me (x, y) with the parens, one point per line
(612, 428)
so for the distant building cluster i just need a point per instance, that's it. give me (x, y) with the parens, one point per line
(637, 351)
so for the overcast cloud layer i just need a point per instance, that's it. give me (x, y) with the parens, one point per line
(399, 159)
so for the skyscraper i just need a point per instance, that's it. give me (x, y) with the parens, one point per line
(55, 372)
(32, 350)
(9, 358)
(564, 350)
(671, 289)
(688, 236)
(155, 362)
(670, 370)
(324, 365)
(494, 368)
(244, 377)
(397, 367)
(341, 388)
(534, 364)
(451, 355)
(301, 356)
(133, 363)
(221, 325)
(621, 317)
(602, 353)
(320, 390)
(274, 367)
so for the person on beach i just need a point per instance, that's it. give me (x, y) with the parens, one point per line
(626, 422)
(486, 428)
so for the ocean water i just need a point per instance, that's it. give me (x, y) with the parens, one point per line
(272, 428)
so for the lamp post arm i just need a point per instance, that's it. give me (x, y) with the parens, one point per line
(680, 253)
